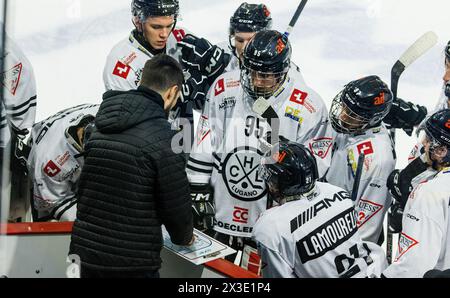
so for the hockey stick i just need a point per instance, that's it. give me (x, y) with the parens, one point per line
(358, 175)
(295, 18)
(415, 51)
(261, 107)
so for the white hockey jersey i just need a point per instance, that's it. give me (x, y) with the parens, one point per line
(125, 62)
(227, 153)
(316, 236)
(424, 243)
(19, 89)
(53, 164)
(373, 199)
(234, 62)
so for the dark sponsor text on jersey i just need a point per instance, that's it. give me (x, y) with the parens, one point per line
(327, 236)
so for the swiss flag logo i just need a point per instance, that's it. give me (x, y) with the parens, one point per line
(51, 169)
(365, 148)
(121, 70)
(299, 97)
(179, 34)
(220, 87)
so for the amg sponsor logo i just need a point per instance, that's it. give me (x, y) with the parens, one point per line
(328, 236)
(312, 212)
(231, 227)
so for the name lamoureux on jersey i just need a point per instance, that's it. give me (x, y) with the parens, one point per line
(424, 242)
(227, 150)
(373, 199)
(52, 163)
(125, 63)
(19, 92)
(316, 236)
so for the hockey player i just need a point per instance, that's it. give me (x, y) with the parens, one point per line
(55, 161)
(356, 114)
(245, 22)
(313, 232)
(227, 150)
(443, 102)
(401, 183)
(17, 115)
(18, 111)
(155, 32)
(424, 241)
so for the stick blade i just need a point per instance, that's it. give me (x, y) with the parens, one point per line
(420, 47)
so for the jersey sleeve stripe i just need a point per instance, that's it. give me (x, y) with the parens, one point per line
(199, 170)
(24, 111)
(195, 161)
(15, 108)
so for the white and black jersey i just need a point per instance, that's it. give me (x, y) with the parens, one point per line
(316, 236)
(54, 164)
(19, 91)
(227, 151)
(125, 64)
(234, 61)
(424, 242)
(373, 199)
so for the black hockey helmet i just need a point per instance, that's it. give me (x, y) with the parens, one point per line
(266, 59)
(142, 9)
(290, 172)
(362, 104)
(437, 130)
(250, 18)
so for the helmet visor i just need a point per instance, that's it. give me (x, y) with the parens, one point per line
(261, 84)
(343, 119)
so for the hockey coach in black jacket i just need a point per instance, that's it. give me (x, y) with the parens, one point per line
(132, 181)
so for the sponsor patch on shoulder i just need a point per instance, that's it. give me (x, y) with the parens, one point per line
(11, 78)
(365, 148)
(321, 147)
(179, 34)
(51, 169)
(366, 210)
(121, 70)
(405, 243)
(220, 87)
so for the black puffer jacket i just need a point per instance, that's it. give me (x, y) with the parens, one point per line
(131, 183)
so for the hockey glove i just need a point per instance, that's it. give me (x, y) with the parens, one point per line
(405, 115)
(195, 89)
(198, 54)
(203, 208)
(398, 187)
(395, 215)
(399, 182)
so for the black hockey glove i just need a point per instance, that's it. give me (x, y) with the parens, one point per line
(399, 187)
(405, 115)
(395, 215)
(203, 208)
(200, 55)
(195, 89)
(399, 182)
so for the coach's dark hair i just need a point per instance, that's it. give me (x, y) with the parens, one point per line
(161, 73)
